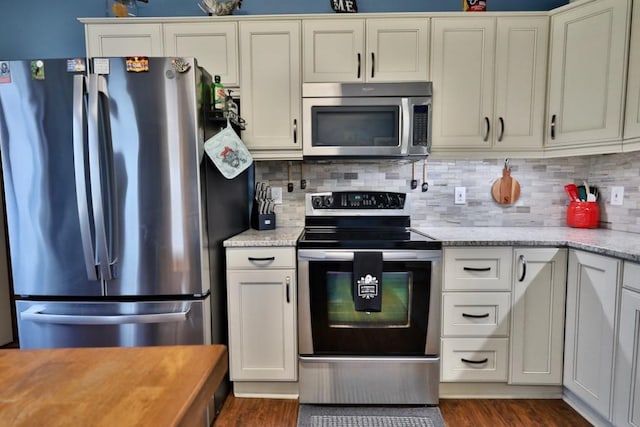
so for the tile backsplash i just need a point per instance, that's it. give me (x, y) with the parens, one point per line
(542, 201)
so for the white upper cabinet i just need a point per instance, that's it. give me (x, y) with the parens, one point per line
(371, 50)
(587, 70)
(271, 88)
(213, 44)
(124, 40)
(489, 83)
(632, 118)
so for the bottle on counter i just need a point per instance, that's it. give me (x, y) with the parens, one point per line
(217, 94)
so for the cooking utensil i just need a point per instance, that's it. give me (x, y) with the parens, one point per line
(582, 193)
(290, 183)
(414, 182)
(425, 184)
(572, 191)
(303, 182)
(506, 190)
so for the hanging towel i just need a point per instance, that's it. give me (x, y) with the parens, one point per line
(367, 281)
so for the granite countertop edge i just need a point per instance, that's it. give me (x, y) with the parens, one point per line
(618, 244)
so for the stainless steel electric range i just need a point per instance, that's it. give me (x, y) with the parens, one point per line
(368, 303)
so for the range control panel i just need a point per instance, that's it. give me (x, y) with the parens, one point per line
(358, 200)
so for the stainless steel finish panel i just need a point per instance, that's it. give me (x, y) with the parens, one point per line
(305, 339)
(36, 141)
(152, 179)
(348, 90)
(365, 380)
(54, 324)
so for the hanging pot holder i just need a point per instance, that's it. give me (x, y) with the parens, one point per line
(228, 152)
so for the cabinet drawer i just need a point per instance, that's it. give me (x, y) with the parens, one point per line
(261, 257)
(475, 314)
(477, 269)
(631, 276)
(474, 359)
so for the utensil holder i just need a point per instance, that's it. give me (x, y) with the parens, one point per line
(583, 214)
(262, 221)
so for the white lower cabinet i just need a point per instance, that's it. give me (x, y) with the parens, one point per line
(590, 330)
(626, 394)
(537, 316)
(261, 300)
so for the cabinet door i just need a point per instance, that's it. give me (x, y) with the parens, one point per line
(124, 40)
(334, 50)
(270, 80)
(520, 82)
(462, 65)
(214, 45)
(537, 316)
(586, 74)
(627, 380)
(632, 120)
(262, 325)
(592, 289)
(397, 50)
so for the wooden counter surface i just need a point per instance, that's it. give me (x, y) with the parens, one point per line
(115, 386)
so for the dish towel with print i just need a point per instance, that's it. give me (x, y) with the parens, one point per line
(367, 281)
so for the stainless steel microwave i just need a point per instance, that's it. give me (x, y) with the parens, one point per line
(366, 119)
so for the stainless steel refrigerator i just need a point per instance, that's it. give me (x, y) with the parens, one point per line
(115, 219)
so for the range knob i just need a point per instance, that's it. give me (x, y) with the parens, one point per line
(316, 201)
(328, 201)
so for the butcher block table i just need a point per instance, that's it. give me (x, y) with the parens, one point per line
(115, 386)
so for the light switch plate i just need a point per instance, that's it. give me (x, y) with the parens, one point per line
(460, 196)
(617, 196)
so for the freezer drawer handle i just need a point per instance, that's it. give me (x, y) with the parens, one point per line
(34, 314)
(475, 362)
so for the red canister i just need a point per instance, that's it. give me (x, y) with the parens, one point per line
(583, 214)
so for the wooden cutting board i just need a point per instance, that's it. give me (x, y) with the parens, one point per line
(506, 190)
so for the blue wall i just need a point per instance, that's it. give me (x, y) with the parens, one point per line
(49, 29)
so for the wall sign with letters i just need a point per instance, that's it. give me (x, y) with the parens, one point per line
(349, 6)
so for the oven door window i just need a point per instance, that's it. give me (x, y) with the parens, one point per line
(355, 126)
(400, 328)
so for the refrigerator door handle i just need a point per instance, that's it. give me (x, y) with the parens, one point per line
(96, 181)
(35, 314)
(79, 91)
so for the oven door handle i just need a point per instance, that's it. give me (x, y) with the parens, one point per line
(316, 255)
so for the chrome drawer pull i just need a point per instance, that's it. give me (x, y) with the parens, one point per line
(475, 362)
(476, 316)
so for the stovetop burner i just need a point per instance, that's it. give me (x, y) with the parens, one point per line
(361, 220)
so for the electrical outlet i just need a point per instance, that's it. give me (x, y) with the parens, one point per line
(617, 195)
(460, 196)
(276, 195)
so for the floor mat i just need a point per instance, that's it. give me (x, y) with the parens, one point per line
(369, 416)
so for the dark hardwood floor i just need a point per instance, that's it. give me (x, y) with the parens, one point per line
(242, 412)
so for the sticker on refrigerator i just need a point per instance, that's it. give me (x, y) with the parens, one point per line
(76, 65)
(5, 72)
(37, 70)
(101, 65)
(137, 64)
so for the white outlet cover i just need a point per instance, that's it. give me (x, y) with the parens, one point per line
(617, 196)
(276, 195)
(460, 196)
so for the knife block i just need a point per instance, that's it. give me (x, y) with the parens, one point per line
(262, 221)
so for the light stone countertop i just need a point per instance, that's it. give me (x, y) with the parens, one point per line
(280, 236)
(617, 244)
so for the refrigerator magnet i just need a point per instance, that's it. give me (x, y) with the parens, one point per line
(101, 65)
(5, 72)
(137, 64)
(37, 70)
(76, 65)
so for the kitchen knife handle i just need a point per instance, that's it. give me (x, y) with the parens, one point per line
(288, 281)
(475, 316)
(475, 362)
(501, 128)
(487, 129)
(553, 127)
(295, 131)
(523, 262)
(373, 64)
(359, 63)
(476, 268)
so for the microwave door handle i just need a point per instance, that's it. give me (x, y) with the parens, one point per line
(405, 126)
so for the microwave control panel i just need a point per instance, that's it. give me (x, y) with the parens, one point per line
(420, 125)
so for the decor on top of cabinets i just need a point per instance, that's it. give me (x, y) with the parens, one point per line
(219, 8)
(350, 6)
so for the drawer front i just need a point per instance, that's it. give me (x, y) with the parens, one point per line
(477, 269)
(474, 359)
(475, 314)
(261, 257)
(631, 276)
